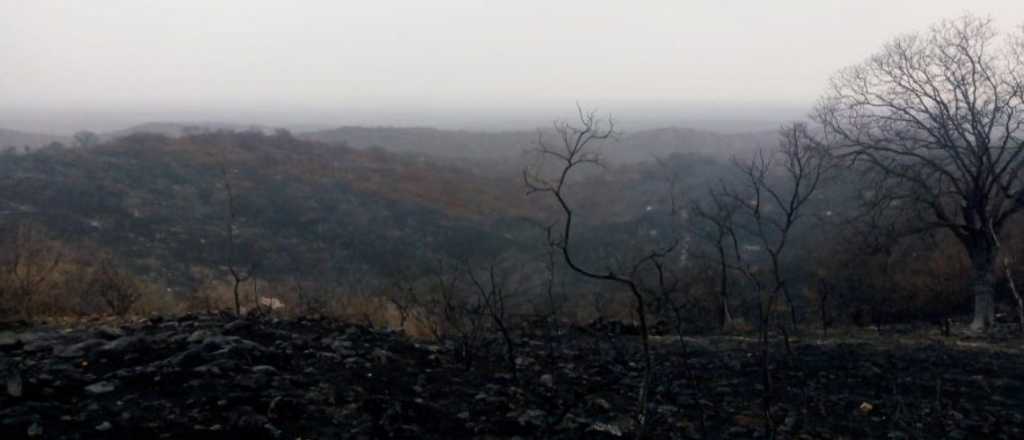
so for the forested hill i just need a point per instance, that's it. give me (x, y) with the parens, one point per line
(161, 203)
(303, 208)
(632, 146)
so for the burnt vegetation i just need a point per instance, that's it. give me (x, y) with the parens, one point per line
(857, 277)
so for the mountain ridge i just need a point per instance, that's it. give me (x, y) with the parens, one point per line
(630, 146)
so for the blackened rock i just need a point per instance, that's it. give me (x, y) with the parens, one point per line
(199, 336)
(284, 407)
(35, 430)
(255, 425)
(9, 341)
(231, 343)
(534, 417)
(381, 356)
(78, 350)
(109, 332)
(123, 343)
(190, 358)
(547, 380)
(237, 325)
(264, 369)
(101, 387)
(14, 383)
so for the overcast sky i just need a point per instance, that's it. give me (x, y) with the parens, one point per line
(212, 57)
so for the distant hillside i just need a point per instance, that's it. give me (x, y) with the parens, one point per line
(642, 145)
(631, 147)
(20, 139)
(424, 140)
(179, 129)
(312, 210)
(160, 203)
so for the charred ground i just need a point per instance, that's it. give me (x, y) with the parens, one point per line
(216, 376)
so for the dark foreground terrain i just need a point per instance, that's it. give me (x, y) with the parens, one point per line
(217, 377)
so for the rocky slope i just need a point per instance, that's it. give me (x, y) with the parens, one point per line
(218, 377)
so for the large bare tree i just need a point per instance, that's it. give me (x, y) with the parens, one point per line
(939, 114)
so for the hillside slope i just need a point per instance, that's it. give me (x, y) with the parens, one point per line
(161, 203)
(308, 210)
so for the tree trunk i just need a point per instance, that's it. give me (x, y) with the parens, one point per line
(723, 291)
(726, 314)
(238, 302)
(1015, 293)
(823, 291)
(982, 284)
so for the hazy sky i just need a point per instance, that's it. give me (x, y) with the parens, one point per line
(210, 56)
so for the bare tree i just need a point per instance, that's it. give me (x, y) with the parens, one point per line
(118, 290)
(553, 298)
(571, 151)
(458, 317)
(769, 208)
(239, 275)
(403, 298)
(940, 115)
(86, 139)
(27, 265)
(720, 213)
(775, 205)
(495, 291)
(200, 298)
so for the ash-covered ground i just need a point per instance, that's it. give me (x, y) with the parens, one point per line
(216, 376)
